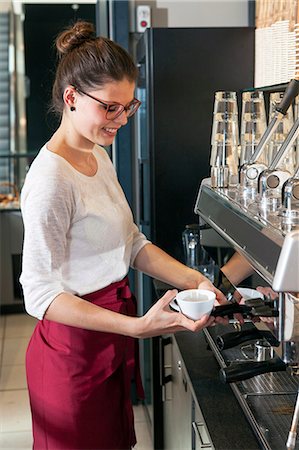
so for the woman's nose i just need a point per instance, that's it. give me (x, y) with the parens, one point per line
(122, 118)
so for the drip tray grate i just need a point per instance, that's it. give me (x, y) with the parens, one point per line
(273, 416)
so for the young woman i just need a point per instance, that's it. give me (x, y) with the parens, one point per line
(80, 240)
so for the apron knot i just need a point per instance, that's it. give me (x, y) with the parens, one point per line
(124, 293)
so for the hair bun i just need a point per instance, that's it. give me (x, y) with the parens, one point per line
(74, 36)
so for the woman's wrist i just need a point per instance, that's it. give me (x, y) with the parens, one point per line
(140, 327)
(193, 279)
(237, 269)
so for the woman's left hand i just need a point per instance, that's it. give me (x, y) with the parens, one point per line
(206, 284)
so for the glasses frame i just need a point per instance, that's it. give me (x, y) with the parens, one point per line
(126, 108)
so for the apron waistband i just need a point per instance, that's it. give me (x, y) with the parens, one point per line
(120, 289)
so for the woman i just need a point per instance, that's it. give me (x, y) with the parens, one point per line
(80, 241)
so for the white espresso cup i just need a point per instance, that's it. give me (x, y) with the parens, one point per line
(194, 303)
(248, 293)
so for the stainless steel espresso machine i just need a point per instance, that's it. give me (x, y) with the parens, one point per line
(259, 217)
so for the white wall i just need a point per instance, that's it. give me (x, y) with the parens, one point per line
(194, 13)
(5, 6)
(206, 13)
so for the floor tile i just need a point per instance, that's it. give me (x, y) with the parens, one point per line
(19, 325)
(139, 413)
(13, 377)
(16, 440)
(14, 350)
(144, 441)
(14, 411)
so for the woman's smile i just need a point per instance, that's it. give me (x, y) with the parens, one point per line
(110, 131)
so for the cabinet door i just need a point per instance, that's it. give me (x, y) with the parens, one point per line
(11, 239)
(200, 435)
(177, 406)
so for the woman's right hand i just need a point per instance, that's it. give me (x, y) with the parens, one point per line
(268, 292)
(161, 320)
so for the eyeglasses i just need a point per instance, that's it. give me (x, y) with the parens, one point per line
(114, 110)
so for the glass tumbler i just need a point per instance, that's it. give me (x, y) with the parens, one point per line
(281, 133)
(224, 158)
(296, 116)
(196, 256)
(253, 124)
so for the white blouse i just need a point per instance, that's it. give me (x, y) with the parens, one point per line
(79, 230)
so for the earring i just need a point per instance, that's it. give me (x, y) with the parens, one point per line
(72, 108)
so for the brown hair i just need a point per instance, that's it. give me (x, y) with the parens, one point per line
(87, 61)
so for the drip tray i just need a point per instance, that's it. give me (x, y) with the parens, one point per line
(270, 383)
(272, 415)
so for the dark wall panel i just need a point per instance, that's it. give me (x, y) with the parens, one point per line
(41, 26)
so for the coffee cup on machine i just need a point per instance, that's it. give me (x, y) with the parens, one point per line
(249, 293)
(194, 303)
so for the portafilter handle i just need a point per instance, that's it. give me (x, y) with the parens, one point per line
(229, 340)
(239, 371)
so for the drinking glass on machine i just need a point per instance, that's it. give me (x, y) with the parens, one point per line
(296, 116)
(253, 124)
(224, 159)
(196, 256)
(280, 134)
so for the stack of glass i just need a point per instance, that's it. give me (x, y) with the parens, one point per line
(253, 124)
(296, 116)
(225, 140)
(278, 138)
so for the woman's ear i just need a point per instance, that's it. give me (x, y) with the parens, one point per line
(69, 98)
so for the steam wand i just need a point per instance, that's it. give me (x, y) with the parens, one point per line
(289, 141)
(250, 171)
(291, 442)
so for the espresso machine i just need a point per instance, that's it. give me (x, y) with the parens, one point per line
(259, 218)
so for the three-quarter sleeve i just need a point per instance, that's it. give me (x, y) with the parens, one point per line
(139, 241)
(47, 207)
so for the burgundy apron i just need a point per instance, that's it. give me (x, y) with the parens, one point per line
(79, 381)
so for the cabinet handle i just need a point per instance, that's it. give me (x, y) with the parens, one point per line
(196, 427)
(164, 378)
(185, 384)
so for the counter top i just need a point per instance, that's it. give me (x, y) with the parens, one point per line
(226, 422)
(224, 417)
(268, 400)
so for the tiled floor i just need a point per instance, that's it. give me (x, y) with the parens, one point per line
(15, 420)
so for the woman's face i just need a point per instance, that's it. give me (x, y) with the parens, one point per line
(89, 120)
